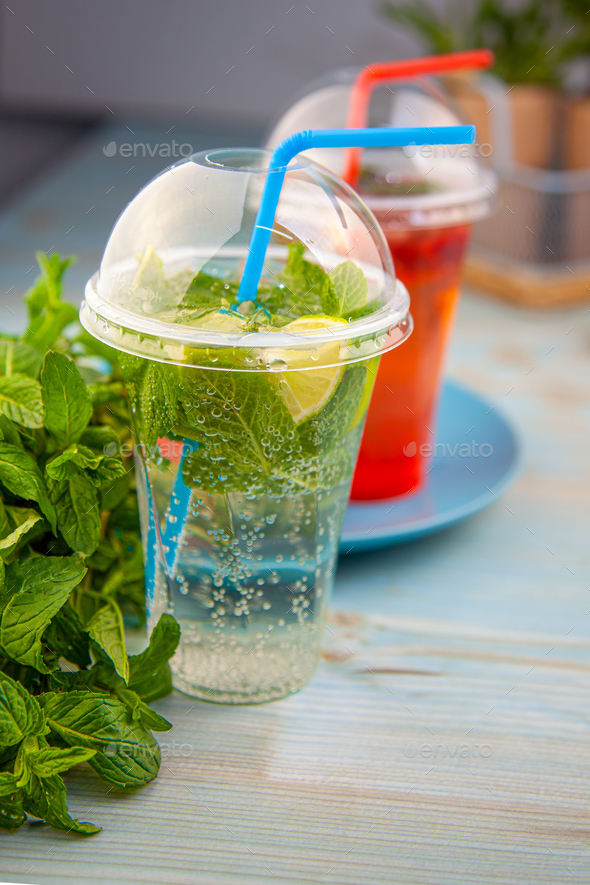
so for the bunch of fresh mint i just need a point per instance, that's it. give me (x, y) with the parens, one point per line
(302, 288)
(70, 562)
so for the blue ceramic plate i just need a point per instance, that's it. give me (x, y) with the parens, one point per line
(476, 461)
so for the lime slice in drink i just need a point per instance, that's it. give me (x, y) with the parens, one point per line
(306, 392)
(371, 366)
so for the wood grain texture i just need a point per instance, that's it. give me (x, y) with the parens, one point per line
(445, 738)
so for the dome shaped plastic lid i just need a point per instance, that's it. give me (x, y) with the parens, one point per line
(168, 283)
(425, 185)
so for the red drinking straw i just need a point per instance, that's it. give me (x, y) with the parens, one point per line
(369, 77)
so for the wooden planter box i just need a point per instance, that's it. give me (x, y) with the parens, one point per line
(536, 250)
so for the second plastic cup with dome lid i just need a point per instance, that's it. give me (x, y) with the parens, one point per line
(426, 199)
(248, 406)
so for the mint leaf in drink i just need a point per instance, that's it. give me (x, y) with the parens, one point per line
(20, 400)
(45, 798)
(37, 589)
(324, 431)
(207, 293)
(66, 399)
(153, 392)
(18, 358)
(298, 289)
(20, 714)
(76, 506)
(20, 474)
(106, 629)
(348, 289)
(237, 453)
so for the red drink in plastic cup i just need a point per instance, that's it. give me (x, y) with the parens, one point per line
(402, 413)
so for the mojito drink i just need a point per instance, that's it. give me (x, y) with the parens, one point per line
(247, 415)
(266, 459)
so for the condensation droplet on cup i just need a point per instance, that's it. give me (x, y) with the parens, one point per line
(276, 365)
(315, 355)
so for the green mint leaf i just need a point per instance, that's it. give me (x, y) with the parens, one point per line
(8, 784)
(104, 556)
(350, 287)
(108, 471)
(128, 755)
(325, 431)
(72, 462)
(298, 289)
(53, 760)
(66, 400)
(241, 457)
(78, 460)
(206, 293)
(18, 358)
(133, 763)
(45, 798)
(329, 299)
(20, 400)
(5, 524)
(67, 638)
(9, 432)
(100, 439)
(164, 641)
(106, 392)
(20, 714)
(76, 507)
(22, 765)
(38, 589)
(156, 686)
(153, 392)
(12, 815)
(106, 629)
(78, 680)
(112, 494)
(20, 534)
(20, 475)
(48, 314)
(140, 711)
(87, 719)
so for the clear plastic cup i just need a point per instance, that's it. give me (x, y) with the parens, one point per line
(426, 200)
(247, 418)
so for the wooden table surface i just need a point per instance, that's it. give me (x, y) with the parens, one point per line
(445, 738)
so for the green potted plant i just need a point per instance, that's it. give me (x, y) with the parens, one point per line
(577, 151)
(530, 46)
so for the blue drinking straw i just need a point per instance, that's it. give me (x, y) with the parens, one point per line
(279, 160)
(326, 138)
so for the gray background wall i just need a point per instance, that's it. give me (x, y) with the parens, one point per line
(236, 60)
